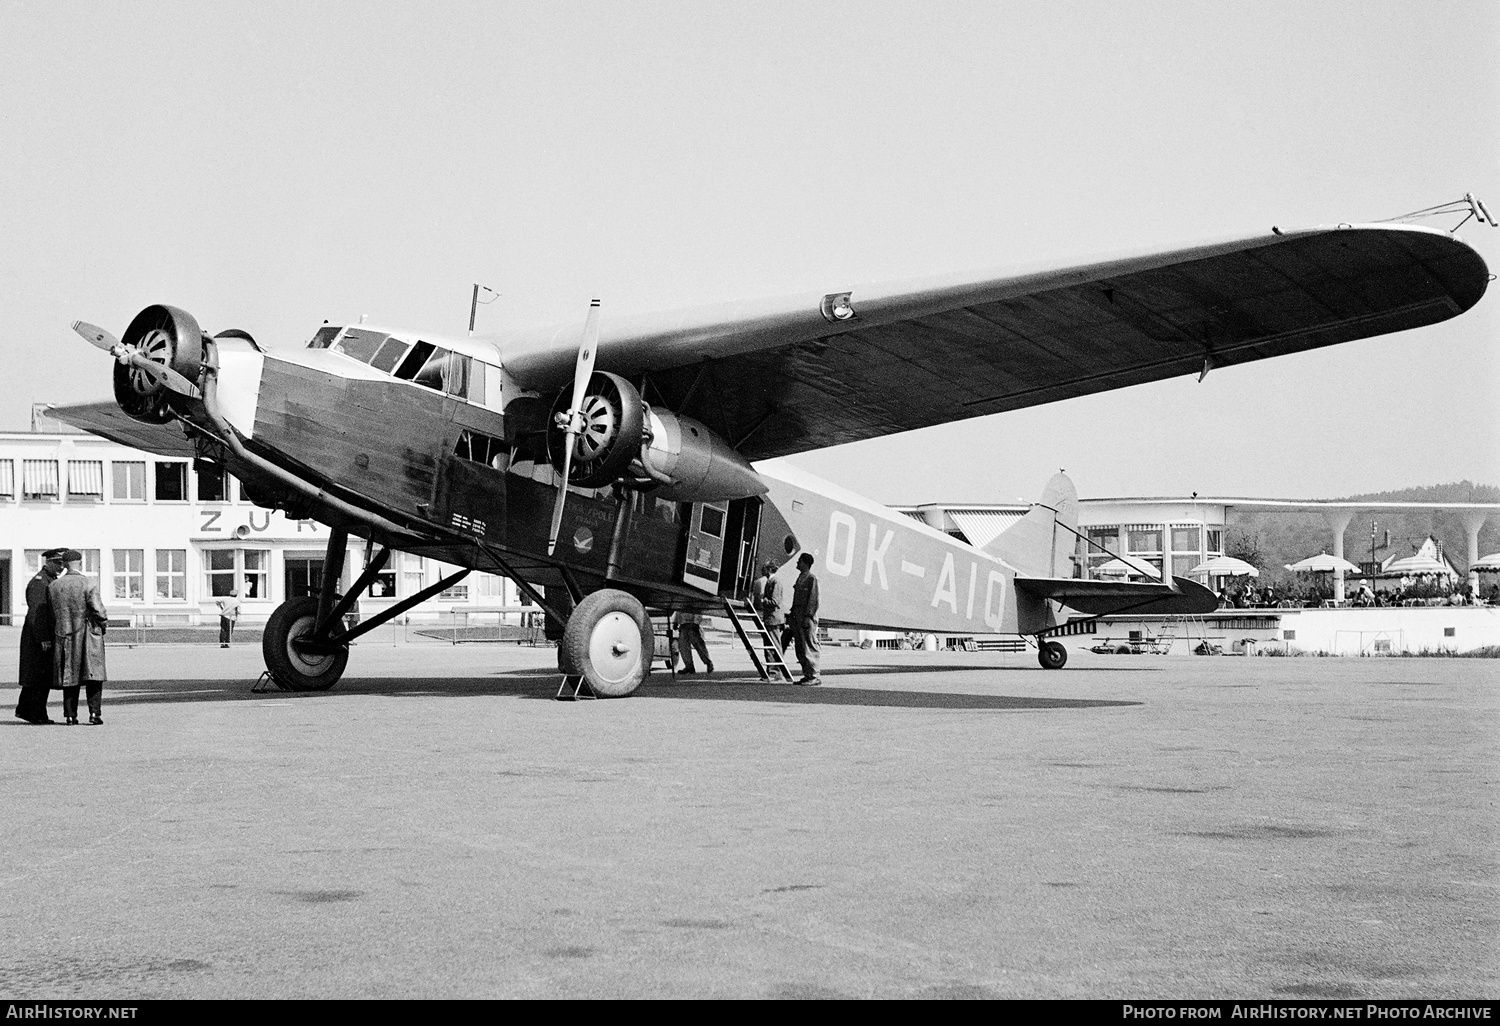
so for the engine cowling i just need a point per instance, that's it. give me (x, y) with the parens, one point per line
(623, 437)
(168, 337)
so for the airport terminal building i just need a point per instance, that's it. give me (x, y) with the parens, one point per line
(166, 541)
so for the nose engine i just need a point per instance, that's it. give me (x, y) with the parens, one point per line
(165, 337)
(624, 438)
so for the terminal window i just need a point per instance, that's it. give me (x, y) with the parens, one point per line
(171, 482)
(171, 574)
(86, 479)
(213, 483)
(245, 569)
(129, 480)
(39, 479)
(130, 573)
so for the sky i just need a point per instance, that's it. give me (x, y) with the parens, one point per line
(266, 166)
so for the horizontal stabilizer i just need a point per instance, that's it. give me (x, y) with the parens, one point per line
(1097, 598)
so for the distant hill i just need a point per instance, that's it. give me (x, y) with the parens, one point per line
(1272, 540)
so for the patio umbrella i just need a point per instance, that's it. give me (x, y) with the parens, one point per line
(1322, 563)
(1416, 566)
(1489, 564)
(1224, 566)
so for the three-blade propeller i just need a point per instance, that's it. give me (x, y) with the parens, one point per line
(572, 421)
(135, 359)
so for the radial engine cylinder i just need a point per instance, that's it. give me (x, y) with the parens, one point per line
(622, 438)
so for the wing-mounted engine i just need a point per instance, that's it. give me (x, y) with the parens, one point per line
(161, 354)
(624, 438)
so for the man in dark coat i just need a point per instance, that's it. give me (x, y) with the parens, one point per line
(803, 620)
(36, 641)
(78, 622)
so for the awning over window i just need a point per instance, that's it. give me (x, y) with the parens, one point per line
(86, 477)
(982, 526)
(39, 477)
(7, 477)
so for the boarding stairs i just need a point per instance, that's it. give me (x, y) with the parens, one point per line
(763, 646)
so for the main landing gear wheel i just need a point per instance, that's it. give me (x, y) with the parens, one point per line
(1052, 655)
(295, 667)
(608, 641)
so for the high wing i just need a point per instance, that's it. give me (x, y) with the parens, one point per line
(782, 376)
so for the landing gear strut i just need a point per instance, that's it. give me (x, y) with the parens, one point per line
(305, 644)
(1052, 655)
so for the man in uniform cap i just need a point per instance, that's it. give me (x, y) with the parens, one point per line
(78, 622)
(36, 641)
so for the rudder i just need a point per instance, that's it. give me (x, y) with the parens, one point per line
(1042, 542)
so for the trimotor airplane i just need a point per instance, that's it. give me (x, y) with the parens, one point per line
(611, 470)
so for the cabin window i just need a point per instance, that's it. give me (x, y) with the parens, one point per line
(360, 343)
(324, 336)
(415, 361)
(485, 449)
(388, 355)
(712, 522)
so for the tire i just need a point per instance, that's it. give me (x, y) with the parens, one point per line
(608, 641)
(1052, 655)
(297, 670)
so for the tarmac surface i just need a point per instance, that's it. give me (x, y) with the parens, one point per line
(923, 825)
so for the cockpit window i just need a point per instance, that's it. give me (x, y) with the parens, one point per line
(414, 361)
(360, 343)
(389, 354)
(324, 336)
(434, 371)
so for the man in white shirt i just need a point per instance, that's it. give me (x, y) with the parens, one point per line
(229, 611)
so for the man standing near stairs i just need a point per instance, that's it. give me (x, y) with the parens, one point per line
(769, 595)
(804, 620)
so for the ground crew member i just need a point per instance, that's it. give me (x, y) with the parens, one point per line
(690, 640)
(804, 620)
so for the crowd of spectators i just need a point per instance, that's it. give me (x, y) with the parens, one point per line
(1249, 595)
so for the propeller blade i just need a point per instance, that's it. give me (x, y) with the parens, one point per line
(562, 495)
(95, 335)
(174, 380)
(583, 370)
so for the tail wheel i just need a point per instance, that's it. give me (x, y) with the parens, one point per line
(1052, 655)
(608, 641)
(292, 665)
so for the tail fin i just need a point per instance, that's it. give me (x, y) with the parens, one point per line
(1042, 543)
